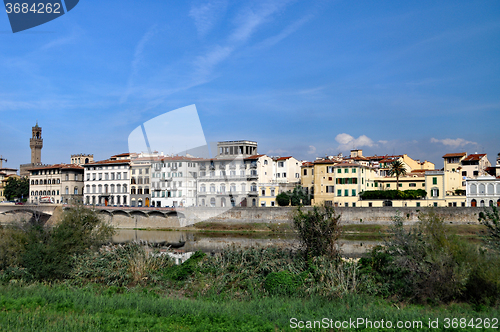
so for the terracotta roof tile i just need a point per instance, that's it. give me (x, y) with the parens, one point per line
(459, 154)
(475, 156)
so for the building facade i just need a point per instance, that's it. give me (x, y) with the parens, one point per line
(107, 182)
(60, 183)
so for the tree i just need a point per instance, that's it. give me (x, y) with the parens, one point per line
(319, 231)
(283, 199)
(299, 197)
(17, 188)
(491, 220)
(397, 168)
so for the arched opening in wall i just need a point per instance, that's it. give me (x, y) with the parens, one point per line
(86, 160)
(146, 204)
(233, 203)
(139, 203)
(223, 202)
(212, 202)
(202, 202)
(87, 200)
(491, 203)
(481, 204)
(132, 202)
(254, 202)
(473, 203)
(93, 200)
(387, 203)
(498, 202)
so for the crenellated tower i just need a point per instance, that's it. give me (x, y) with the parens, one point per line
(36, 144)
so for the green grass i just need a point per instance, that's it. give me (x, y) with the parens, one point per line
(93, 308)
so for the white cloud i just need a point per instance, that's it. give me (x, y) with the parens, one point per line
(206, 15)
(454, 143)
(312, 149)
(277, 152)
(348, 142)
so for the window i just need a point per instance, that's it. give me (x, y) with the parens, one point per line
(263, 192)
(339, 170)
(346, 192)
(272, 191)
(66, 190)
(329, 169)
(305, 172)
(354, 170)
(284, 175)
(339, 192)
(418, 204)
(475, 173)
(354, 192)
(387, 185)
(76, 191)
(435, 192)
(346, 170)
(412, 185)
(265, 162)
(281, 163)
(434, 180)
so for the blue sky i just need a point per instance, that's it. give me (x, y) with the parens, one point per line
(303, 78)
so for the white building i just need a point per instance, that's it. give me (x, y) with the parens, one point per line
(107, 182)
(483, 191)
(173, 181)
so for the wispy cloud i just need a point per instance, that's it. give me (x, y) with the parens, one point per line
(347, 142)
(139, 49)
(312, 149)
(271, 41)
(278, 152)
(206, 15)
(454, 143)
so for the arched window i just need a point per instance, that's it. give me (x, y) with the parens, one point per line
(36, 193)
(124, 199)
(87, 200)
(481, 189)
(132, 190)
(203, 189)
(118, 200)
(223, 188)
(53, 192)
(212, 188)
(482, 203)
(254, 202)
(44, 192)
(32, 193)
(491, 189)
(132, 180)
(88, 189)
(253, 187)
(139, 191)
(106, 189)
(473, 189)
(223, 202)
(58, 181)
(203, 202)
(99, 189)
(118, 188)
(32, 182)
(212, 202)
(36, 182)
(50, 181)
(45, 181)
(243, 188)
(93, 200)
(112, 188)
(232, 188)
(76, 191)
(66, 191)
(124, 191)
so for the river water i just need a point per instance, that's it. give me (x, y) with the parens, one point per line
(212, 242)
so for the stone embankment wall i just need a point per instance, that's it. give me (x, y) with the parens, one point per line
(184, 217)
(350, 215)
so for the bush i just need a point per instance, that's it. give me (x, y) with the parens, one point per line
(318, 231)
(283, 283)
(283, 199)
(426, 264)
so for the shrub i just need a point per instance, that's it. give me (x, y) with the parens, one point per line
(318, 231)
(283, 199)
(426, 264)
(283, 282)
(393, 194)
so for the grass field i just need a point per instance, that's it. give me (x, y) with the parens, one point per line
(38, 307)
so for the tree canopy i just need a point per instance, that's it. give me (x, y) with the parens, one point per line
(17, 189)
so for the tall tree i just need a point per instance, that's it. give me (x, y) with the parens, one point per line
(17, 188)
(397, 168)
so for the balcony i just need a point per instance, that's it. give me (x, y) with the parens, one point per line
(253, 193)
(203, 167)
(243, 166)
(253, 165)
